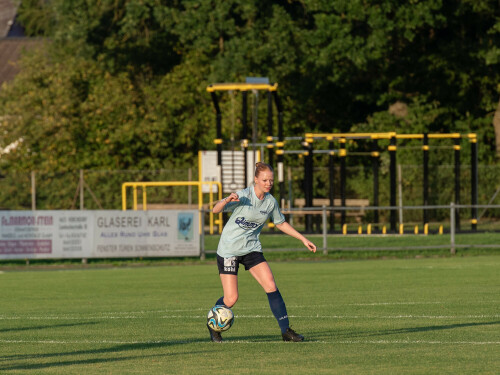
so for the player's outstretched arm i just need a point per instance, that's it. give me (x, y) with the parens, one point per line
(288, 229)
(219, 206)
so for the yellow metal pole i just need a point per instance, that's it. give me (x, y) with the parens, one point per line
(144, 198)
(135, 197)
(210, 203)
(200, 203)
(124, 196)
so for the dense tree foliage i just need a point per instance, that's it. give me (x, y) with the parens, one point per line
(121, 83)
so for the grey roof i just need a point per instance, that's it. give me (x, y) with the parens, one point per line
(10, 52)
(8, 11)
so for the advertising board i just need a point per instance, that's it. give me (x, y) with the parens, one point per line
(98, 234)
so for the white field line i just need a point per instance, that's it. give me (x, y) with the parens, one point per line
(394, 303)
(228, 342)
(238, 316)
(133, 314)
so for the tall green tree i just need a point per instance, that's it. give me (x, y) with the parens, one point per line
(121, 84)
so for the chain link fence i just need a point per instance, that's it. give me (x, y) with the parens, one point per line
(101, 189)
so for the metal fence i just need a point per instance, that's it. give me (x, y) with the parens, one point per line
(450, 237)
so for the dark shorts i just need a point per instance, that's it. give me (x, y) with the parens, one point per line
(229, 266)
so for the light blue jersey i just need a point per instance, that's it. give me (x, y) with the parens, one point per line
(240, 235)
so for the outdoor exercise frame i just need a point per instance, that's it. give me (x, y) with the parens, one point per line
(375, 154)
(244, 88)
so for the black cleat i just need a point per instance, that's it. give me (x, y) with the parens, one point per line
(291, 335)
(214, 335)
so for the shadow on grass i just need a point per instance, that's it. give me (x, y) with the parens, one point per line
(31, 328)
(437, 328)
(93, 353)
(117, 349)
(253, 338)
(350, 334)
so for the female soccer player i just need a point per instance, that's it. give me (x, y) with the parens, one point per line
(239, 243)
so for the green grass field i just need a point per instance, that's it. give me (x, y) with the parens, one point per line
(413, 316)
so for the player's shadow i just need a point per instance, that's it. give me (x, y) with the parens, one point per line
(32, 328)
(252, 338)
(115, 350)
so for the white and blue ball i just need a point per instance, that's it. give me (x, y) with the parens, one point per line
(220, 318)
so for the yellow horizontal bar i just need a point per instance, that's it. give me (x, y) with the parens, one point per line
(409, 136)
(433, 136)
(388, 135)
(170, 183)
(331, 136)
(441, 136)
(241, 87)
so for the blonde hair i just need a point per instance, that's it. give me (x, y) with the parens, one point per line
(261, 167)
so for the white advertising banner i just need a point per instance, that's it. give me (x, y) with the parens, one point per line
(98, 234)
(146, 233)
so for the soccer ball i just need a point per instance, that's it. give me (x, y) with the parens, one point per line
(220, 318)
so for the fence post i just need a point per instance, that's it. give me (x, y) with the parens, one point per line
(202, 234)
(81, 190)
(452, 228)
(33, 191)
(325, 231)
(400, 194)
(84, 260)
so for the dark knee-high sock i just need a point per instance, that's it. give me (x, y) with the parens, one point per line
(279, 309)
(220, 301)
